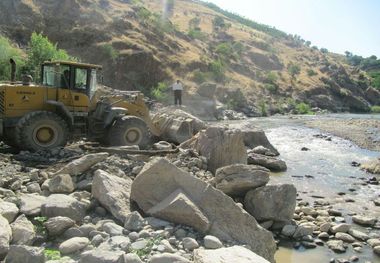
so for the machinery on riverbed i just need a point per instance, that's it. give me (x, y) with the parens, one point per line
(68, 104)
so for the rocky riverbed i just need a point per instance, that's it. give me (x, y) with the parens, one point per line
(226, 194)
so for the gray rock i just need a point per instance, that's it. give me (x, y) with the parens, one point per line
(336, 246)
(160, 179)
(25, 254)
(344, 237)
(30, 204)
(263, 151)
(224, 255)
(113, 193)
(8, 210)
(238, 179)
(364, 220)
(358, 234)
(33, 188)
(64, 205)
(61, 183)
(254, 137)
(272, 163)
(221, 147)
(102, 256)
(189, 243)
(156, 223)
(376, 250)
(113, 229)
(132, 258)
(167, 258)
(325, 227)
(373, 242)
(5, 236)
(134, 221)
(289, 230)
(303, 231)
(58, 225)
(22, 231)
(141, 244)
(344, 228)
(272, 202)
(212, 242)
(79, 166)
(168, 247)
(73, 245)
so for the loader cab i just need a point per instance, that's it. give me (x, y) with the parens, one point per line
(78, 77)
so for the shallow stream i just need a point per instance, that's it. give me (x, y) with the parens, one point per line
(320, 174)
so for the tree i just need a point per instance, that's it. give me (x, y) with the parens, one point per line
(324, 50)
(40, 50)
(308, 43)
(218, 23)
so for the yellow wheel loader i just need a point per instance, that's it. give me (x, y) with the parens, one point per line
(68, 105)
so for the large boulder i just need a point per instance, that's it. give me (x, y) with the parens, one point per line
(254, 137)
(25, 254)
(64, 205)
(161, 186)
(176, 125)
(23, 232)
(221, 147)
(272, 163)
(272, 202)
(113, 193)
(238, 179)
(61, 183)
(58, 225)
(230, 254)
(5, 236)
(79, 166)
(30, 204)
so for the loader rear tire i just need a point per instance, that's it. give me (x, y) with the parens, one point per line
(41, 130)
(128, 131)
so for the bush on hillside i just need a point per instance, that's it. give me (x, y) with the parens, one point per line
(294, 70)
(110, 51)
(218, 70)
(324, 50)
(311, 72)
(7, 51)
(197, 34)
(303, 108)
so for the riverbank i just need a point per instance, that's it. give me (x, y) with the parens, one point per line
(364, 133)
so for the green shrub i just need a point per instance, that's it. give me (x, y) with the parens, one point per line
(224, 49)
(303, 108)
(263, 108)
(201, 77)
(197, 34)
(311, 72)
(110, 51)
(375, 109)
(271, 77)
(272, 88)
(7, 51)
(375, 79)
(294, 70)
(218, 23)
(324, 50)
(160, 92)
(218, 70)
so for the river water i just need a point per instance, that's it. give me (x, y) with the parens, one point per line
(329, 172)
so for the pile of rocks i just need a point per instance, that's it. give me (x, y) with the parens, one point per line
(323, 225)
(135, 208)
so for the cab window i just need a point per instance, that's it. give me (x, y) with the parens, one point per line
(65, 77)
(48, 76)
(80, 81)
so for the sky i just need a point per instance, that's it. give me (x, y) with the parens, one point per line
(338, 25)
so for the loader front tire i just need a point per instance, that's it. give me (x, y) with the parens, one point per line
(41, 130)
(128, 131)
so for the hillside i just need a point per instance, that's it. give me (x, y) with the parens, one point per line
(257, 69)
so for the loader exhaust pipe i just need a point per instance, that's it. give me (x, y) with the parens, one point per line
(13, 70)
